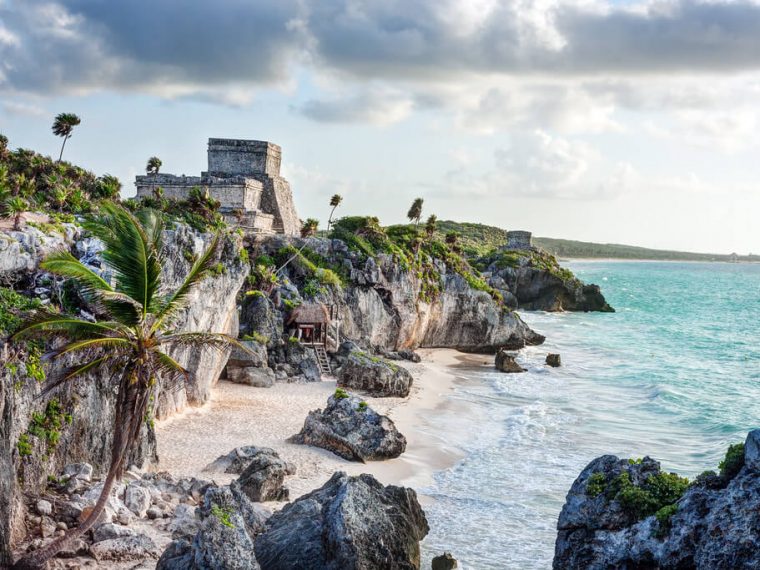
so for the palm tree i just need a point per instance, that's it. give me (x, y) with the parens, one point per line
(415, 212)
(132, 343)
(309, 227)
(154, 165)
(431, 225)
(335, 201)
(15, 207)
(63, 126)
(3, 147)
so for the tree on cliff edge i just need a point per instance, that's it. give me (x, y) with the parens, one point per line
(63, 126)
(131, 343)
(154, 165)
(335, 201)
(415, 212)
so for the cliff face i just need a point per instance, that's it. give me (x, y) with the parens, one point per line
(381, 304)
(533, 280)
(74, 422)
(715, 524)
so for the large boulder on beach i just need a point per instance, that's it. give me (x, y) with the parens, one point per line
(505, 362)
(350, 428)
(714, 524)
(350, 523)
(375, 376)
(263, 478)
(237, 460)
(228, 524)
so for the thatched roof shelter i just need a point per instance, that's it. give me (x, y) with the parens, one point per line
(309, 313)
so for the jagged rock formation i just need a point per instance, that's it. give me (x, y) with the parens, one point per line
(505, 362)
(351, 523)
(263, 477)
(534, 280)
(84, 408)
(715, 526)
(237, 460)
(381, 303)
(350, 428)
(375, 376)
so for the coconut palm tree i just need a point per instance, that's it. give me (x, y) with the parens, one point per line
(153, 166)
(415, 212)
(335, 201)
(132, 341)
(63, 126)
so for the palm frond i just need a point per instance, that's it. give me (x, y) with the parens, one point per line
(178, 300)
(112, 343)
(166, 367)
(66, 265)
(45, 323)
(73, 372)
(153, 224)
(129, 252)
(200, 340)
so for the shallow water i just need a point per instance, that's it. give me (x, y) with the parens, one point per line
(674, 374)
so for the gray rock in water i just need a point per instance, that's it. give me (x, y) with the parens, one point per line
(350, 523)
(444, 562)
(375, 376)
(553, 360)
(262, 479)
(505, 362)
(137, 547)
(715, 528)
(350, 428)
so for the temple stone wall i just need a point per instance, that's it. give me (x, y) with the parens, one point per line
(519, 240)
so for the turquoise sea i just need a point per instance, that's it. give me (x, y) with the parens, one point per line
(674, 374)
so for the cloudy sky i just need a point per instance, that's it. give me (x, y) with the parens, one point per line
(626, 121)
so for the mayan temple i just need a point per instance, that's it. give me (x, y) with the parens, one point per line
(244, 176)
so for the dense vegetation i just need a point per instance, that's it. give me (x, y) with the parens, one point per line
(414, 249)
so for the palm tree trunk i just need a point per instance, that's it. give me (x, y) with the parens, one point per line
(60, 156)
(17, 221)
(329, 220)
(129, 414)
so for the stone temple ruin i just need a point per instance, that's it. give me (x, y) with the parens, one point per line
(518, 239)
(244, 176)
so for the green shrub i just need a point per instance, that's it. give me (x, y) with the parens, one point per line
(362, 407)
(290, 304)
(24, 446)
(47, 425)
(293, 340)
(596, 484)
(12, 305)
(663, 517)
(256, 337)
(218, 269)
(244, 255)
(656, 492)
(223, 515)
(733, 461)
(254, 293)
(312, 289)
(340, 394)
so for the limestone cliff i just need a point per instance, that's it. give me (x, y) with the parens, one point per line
(607, 521)
(38, 436)
(533, 280)
(383, 305)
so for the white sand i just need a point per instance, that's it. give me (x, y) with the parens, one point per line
(242, 415)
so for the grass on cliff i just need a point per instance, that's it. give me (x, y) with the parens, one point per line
(413, 250)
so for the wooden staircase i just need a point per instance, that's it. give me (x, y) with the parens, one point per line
(322, 359)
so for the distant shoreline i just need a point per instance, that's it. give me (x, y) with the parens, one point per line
(649, 260)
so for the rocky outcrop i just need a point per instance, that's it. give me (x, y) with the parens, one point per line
(444, 562)
(505, 362)
(350, 428)
(553, 360)
(533, 280)
(250, 366)
(375, 376)
(228, 524)
(262, 479)
(237, 460)
(715, 524)
(351, 523)
(83, 409)
(381, 303)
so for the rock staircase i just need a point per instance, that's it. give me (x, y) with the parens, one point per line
(322, 359)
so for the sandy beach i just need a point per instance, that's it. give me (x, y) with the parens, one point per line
(243, 415)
